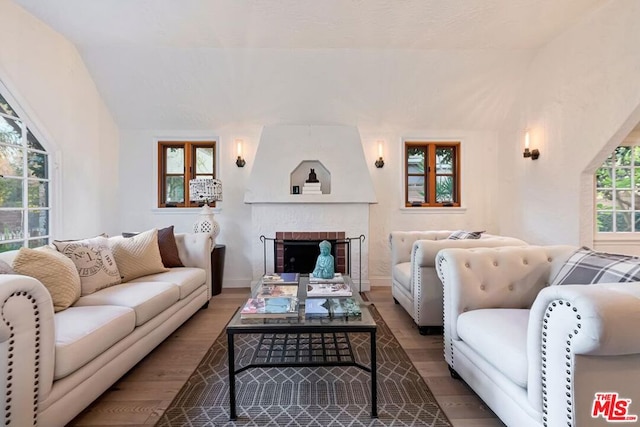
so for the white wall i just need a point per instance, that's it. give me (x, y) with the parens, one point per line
(581, 97)
(49, 80)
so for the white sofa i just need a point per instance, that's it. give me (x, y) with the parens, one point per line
(414, 282)
(538, 354)
(55, 365)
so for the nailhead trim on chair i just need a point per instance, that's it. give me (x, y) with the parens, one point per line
(569, 391)
(445, 335)
(10, 357)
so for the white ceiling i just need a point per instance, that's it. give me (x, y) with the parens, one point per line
(202, 63)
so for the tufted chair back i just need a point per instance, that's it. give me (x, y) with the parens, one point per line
(502, 277)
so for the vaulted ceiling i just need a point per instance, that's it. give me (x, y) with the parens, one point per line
(200, 64)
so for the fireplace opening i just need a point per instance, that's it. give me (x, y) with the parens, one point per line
(297, 252)
(300, 255)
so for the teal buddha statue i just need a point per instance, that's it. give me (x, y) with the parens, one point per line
(324, 264)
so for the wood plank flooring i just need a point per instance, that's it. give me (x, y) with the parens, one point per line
(141, 396)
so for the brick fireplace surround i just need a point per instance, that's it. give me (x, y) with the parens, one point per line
(340, 250)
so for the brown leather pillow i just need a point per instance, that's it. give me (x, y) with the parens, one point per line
(168, 247)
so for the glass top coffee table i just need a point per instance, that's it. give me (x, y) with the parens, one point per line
(303, 342)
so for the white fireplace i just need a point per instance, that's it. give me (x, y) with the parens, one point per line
(344, 207)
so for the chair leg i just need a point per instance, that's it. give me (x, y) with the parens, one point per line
(396, 301)
(454, 374)
(206, 305)
(430, 330)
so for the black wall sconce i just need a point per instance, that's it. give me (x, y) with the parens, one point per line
(239, 161)
(534, 154)
(380, 162)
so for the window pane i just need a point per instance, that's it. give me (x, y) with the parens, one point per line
(10, 193)
(623, 156)
(10, 131)
(38, 223)
(444, 189)
(6, 108)
(444, 160)
(5, 247)
(175, 189)
(38, 167)
(38, 194)
(204, 160)
(605, 221)
(11, 227)
(623, 221)
(415, 160)
(623, 200)
(36, 243)
(604, 178)
(11, 159)
(32, 142)
(637, 221)
(416, 191)
(175, 160)
(604, 199)
(623, 178)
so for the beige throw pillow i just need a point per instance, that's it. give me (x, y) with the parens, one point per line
(54, 270)
(138, 255)
(94, 261)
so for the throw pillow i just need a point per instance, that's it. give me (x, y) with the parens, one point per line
(94, 261)
(5, 268)
(462, 234)
(586, 266)
(54, 270)
(138, 255)
(168, 247)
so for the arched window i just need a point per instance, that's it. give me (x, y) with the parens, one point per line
(24, 183)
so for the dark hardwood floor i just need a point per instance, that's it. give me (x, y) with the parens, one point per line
(141, 396)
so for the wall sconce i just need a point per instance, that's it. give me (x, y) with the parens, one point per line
(239, 161)
(380, 162)
(535, 153)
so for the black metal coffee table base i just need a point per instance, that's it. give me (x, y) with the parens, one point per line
(307, 348)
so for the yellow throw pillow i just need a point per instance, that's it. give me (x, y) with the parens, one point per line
(54, 270)
(138, 255)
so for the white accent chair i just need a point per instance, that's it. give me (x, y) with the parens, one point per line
(414, 282)
(538, 354)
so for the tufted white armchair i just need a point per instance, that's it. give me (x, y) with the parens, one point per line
(538, 355)
(414, 282)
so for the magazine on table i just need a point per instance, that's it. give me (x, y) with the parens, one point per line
(273, 290)
(263, 308)
(328, 290)
(331, 308)
(282, 278)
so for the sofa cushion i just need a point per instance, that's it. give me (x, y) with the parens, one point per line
(84, 333)
(145, 298)
(499, 335)
(188, 279)
(586, 266)
(402, 274)
(54, 270)
(137, 256)
(462, 234)
(6, 268)
(94, 261)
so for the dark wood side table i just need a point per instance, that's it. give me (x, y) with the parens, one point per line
(217, 268)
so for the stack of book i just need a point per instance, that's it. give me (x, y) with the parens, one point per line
(270, 308)
(311, 188)
(278, 285)
(337, 278)
(328, 290)
(281, 278)
(334, 308)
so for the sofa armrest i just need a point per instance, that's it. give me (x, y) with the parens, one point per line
(194, 250)
(576, 333)
(402, 243)
(501, 277)
(27, 352)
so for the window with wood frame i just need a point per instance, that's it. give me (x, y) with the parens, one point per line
(179, 162)
(432, 174)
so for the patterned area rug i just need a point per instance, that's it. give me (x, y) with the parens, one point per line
(335, 396)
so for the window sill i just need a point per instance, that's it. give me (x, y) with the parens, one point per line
(427, 210)
(181, 211)
(617, 237)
